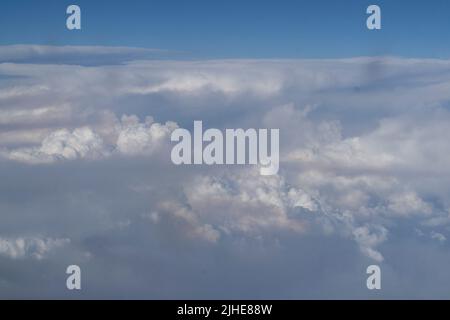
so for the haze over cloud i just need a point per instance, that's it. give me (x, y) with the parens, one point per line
(85, 166)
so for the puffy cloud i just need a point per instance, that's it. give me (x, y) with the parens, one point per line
(133, 138)
(29, 247)
(368, 240)
(408, 203)
(299, 199)
(63, 144)
(243, 204)
(438, 236)
(140, 138)
(192, 224)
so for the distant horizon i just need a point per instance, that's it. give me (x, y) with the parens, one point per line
(164, 54)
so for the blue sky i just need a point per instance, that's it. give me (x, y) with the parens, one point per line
(237, 29)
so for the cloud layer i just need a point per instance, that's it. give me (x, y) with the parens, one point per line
(85, 161)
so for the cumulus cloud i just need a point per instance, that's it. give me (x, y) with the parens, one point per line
(133, 138)
(243, 204)
(63, 144)
(141, 138)
(30, 247)
(368, 240)
(408, 203)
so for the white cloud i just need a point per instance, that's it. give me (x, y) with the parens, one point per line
(141, 138)
(241, 204)
(438, 236)
(133, 138)
(20, 92)
(408, 203)
(368, 239)
(63, 144)
(363, 141)
(212, 78)
(29, 247)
